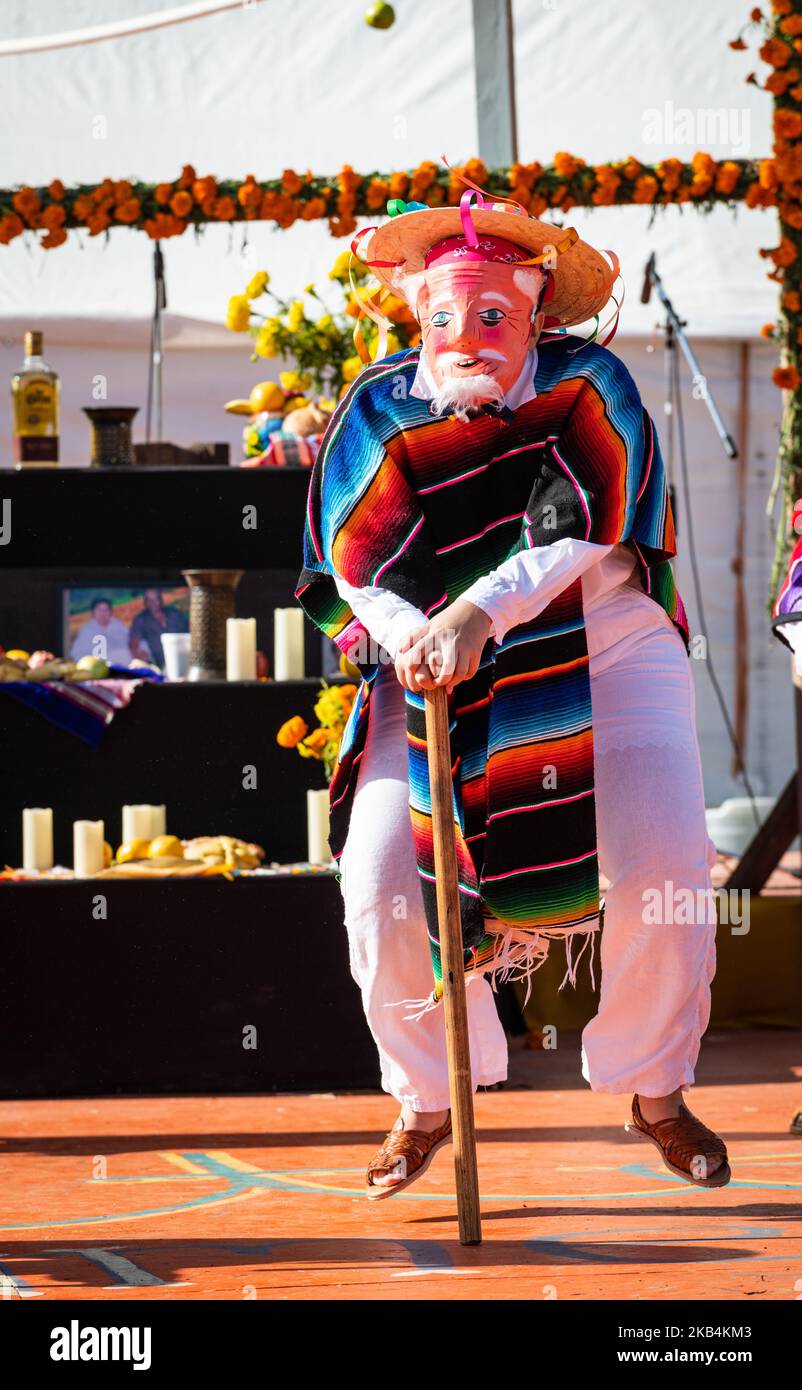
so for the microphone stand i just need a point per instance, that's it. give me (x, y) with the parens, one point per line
(155, 384)
(675, 333)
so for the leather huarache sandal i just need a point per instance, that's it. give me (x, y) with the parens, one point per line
(682, 1141)
(408, 1152)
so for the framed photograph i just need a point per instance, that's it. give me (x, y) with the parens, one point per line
(122, 622)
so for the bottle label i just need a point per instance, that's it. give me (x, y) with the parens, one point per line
(36, 448)
(36, 407)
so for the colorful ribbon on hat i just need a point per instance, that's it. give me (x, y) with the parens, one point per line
(364, 308)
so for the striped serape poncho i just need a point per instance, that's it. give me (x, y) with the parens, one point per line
(423, 506)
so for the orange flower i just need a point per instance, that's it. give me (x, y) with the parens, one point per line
(799, 335)
(55, 237)
(291, 732)
(787, 378)
(188, 177)
(767, 331)
(378, 191)
(525, 176)
(476, 171)
(737, 44)
(607, 185)
(122, 191)
(727, 176)
(181, 203)
(777, 82)
(775, 53)
(225, 209)
(425, 175)
(785, 254)
(787, 124)
(791, 213)
(757, 197)
(97, 222)
(349, 181)
(128, 211)
(342, 226)
(781, 6)
(399, 185)
(291, 183)
(792, 25)
(26, 202)
(82, 207)
(566, 165)
(669, 171)
(103, 192)
(767, 173)
(795, 93)
(204, 190)
(163, 225)
(10, 226)
(287, 213)
(538, 205)
(756, 14)
(792, 301)
(645, 189)
(162, 193)
(632, 169)
(53, 216)
(249, 194)
(316, 207)
(56, 190)
(703, 165)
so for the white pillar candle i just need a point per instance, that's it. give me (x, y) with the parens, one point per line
(137, 821)
(87, 847)
(288, 644)
(317, 827)
(37, 838)
(241, 649)
(158, 821)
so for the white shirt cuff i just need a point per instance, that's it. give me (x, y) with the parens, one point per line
(385, 615)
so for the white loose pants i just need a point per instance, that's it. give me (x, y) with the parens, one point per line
(652, 840)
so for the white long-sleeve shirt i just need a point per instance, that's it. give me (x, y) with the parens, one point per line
(522, 586)
(514, 592)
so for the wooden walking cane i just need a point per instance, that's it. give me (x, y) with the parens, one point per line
(456, 1013)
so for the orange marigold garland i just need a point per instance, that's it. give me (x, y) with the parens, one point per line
(780, 185)
(167, 209)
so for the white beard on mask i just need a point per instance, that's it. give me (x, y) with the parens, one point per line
(465, 396)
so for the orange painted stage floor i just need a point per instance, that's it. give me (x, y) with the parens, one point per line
(259, 1197)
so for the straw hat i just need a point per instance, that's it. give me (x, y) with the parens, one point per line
(583, 279)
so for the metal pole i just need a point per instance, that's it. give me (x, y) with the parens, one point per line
(494, 68)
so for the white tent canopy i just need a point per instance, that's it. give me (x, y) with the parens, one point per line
(308, 85)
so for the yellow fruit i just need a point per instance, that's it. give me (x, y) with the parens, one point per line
(94, 666)
(266, 395)
(135, 849)
(348, 668)
(17, 654)
(239, 407)
(108, 854)
(166, 846)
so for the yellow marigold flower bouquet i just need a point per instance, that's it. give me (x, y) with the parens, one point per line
(332, 708)
(319, 338)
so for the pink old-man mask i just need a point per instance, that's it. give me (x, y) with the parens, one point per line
(475, 319)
